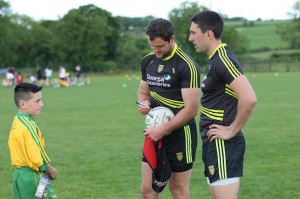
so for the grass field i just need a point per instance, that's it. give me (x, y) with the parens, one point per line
(94, 138)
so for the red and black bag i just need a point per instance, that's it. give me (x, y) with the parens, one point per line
(154, 153)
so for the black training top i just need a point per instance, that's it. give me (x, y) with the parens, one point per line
(218, 101)
(166, 77)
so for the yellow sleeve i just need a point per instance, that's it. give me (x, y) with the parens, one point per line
(27, 145)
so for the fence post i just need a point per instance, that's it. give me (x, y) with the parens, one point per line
(270, 65)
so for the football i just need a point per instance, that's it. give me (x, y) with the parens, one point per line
(158, 116)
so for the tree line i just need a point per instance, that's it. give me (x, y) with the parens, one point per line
(98, 41)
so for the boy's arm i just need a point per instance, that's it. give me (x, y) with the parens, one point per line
(51, 171)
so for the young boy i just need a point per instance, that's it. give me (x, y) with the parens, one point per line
(26, 145)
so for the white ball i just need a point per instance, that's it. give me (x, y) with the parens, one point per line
(158, 116)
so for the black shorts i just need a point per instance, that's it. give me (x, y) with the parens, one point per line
(180, 147)
(224, 158)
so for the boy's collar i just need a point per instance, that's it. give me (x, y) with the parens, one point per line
(26, 115)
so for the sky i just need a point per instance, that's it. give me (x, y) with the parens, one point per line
(251, 10)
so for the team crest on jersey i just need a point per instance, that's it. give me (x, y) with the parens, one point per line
(179, 156)
(211, 169)
(160, 68)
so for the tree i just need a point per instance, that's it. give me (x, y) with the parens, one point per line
(4, 8)
(86, 36)
(133, 23)
(290, 31)
(180, 17)
(236, 42)
(32, 41)
(181, 20)
(131, 51)
(6, 54)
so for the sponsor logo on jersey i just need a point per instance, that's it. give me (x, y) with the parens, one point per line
(167, 77)
(159, 81)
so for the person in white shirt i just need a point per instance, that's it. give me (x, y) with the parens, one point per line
(48, 73)
(62, 73)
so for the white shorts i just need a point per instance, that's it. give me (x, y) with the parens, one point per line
(223, 181)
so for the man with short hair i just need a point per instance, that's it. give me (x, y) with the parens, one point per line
(226, 104)
(170, 78)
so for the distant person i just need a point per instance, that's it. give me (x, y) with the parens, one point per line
(19, 77)
(39, 75)
(78, 72)
(70, 80)
(226, 104)
(62, 73)
(26, 144)
(32, 79)
(170, 78)
(86, 80)
(11, 70)
(49, 75)
(10, 78)
(63, 81)
(5, 82)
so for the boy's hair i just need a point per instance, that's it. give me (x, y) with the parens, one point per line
(160, 28)
(24, 90)
(209, 20)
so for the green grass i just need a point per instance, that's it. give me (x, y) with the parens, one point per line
(94, 138)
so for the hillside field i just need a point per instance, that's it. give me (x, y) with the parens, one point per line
(262, 34)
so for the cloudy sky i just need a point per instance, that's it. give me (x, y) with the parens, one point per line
(252, 10)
